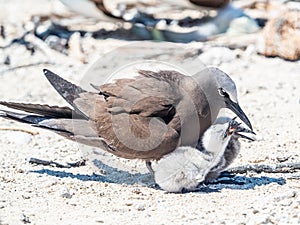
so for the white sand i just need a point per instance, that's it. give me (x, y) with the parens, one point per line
(123, 192)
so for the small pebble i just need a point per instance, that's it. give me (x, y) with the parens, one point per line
(140, 207)
(7, 60)
(65, 193)
(25, 219)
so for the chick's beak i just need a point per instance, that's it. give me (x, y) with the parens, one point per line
(245, 133)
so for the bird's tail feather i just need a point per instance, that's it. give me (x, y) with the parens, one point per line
(70, 92)
(73, 129)
(21, 117)
(55, 118)
(33, 120)
(43, 110)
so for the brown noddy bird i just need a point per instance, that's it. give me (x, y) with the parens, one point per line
(145, 117)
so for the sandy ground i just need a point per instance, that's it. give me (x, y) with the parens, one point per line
(118, 191)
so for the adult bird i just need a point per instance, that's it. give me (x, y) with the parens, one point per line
(145, 117)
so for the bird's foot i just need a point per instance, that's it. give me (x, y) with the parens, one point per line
(149, 167)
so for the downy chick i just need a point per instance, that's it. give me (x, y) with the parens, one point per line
(186, 167)
(232, 149)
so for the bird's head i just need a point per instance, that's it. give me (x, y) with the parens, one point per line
(226, 94)
(218, 135)
(234, 128)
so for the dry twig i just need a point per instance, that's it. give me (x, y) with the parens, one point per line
(32, 132)
(277, 168)
(52, 55)
(55, 164)
(27, 65)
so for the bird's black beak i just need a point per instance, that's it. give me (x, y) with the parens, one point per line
(233, 106)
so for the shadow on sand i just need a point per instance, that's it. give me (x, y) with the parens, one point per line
(114, 175)
(239, 183)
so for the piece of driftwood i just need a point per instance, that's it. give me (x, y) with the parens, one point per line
(277, 168)
(55, 164)
(27, 66)
(52, 55)
(294, 177)
(32, 132)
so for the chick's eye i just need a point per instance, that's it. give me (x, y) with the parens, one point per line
(222, 92)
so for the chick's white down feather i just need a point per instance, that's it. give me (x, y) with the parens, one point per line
(186, 167)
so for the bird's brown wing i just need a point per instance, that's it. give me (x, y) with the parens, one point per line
(144, 117)
(135, 116)
(132, 118)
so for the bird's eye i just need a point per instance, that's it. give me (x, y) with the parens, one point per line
(222, 92)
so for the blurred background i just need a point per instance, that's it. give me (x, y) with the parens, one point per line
(80, 30)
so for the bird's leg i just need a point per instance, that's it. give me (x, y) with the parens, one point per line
(149, 167)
